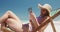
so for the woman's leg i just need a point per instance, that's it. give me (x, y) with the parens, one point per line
(14, 25)
(14, 22)
(4, 17)
(10, 17)
(33, 21)
(3, 24)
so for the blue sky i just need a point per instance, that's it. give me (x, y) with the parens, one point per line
(20, 7)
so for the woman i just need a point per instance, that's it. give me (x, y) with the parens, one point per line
(15, 24)
(45, 14)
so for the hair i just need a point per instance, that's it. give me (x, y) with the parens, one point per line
(47, 13)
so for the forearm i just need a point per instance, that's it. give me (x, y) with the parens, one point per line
(34, 19)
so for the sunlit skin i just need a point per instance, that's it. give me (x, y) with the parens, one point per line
(43, 11)
(13, 22)
(43, 14)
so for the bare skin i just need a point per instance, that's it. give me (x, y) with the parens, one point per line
(33, 17)
(14, 23)
(12, 20)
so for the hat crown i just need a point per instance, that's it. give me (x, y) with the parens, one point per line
(46, 6)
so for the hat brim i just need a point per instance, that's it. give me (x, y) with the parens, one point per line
(41, 7)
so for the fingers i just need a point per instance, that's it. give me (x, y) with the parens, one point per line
(32, 16)
(14, 25)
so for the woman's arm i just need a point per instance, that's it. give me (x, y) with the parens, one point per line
(33, 20)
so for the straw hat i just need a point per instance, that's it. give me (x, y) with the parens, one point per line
(46, 6)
